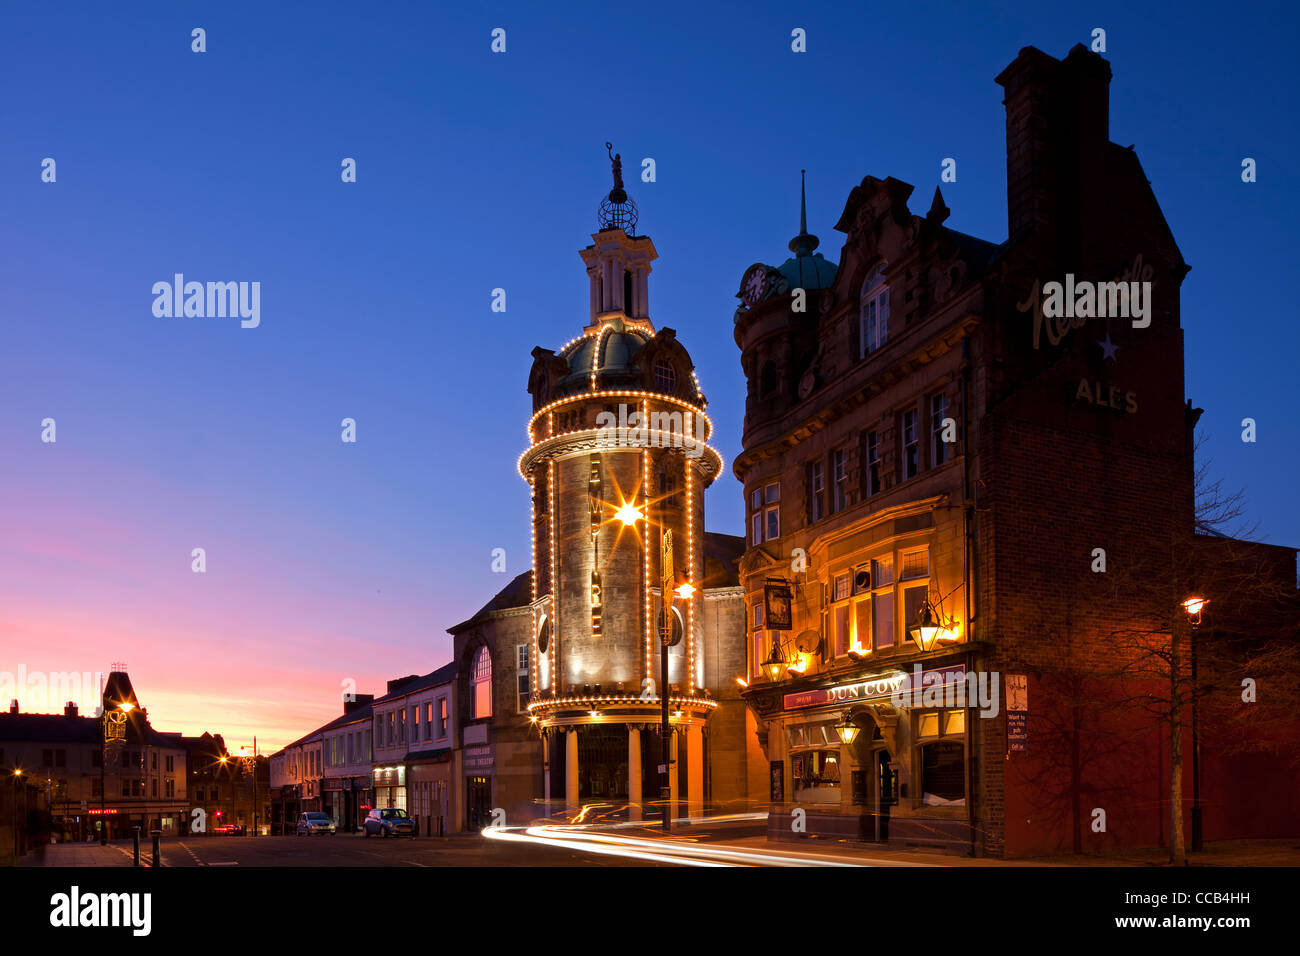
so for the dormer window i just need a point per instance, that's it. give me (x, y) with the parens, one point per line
(874, 312)
(665, 376)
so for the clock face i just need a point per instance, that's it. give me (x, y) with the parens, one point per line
(753, 284)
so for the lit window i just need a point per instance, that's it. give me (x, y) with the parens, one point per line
(481, 684)
(874, 312)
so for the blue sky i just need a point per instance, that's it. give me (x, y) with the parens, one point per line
(476, 171)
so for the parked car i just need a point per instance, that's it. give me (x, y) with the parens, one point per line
(389, 821)
(314, 822)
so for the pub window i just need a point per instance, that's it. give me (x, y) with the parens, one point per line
(840, 480)
(841, 615)
(61, 759)
(873, 463)
(911, 462)
(941, 757)
(873, 313)
(816, 770)
(758, 616)
(428, 719)
(816, 491)
(882, 600)
(442, 717)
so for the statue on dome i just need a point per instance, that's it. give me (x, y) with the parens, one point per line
(616, 163)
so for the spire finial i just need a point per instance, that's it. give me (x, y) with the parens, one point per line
(804, 243)
(616, 209)
(803, 203)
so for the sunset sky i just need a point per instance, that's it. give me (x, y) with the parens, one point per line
(329, 561)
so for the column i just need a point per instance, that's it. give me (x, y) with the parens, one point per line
(643, 291)
(546, 769)
(695, 770)
(571, 800)
(672, 776)
(634, 773)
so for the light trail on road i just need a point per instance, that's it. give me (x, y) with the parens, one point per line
(681, 852)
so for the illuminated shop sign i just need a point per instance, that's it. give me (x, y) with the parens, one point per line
(882, 688)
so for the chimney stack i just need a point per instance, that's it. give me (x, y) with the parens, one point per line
(69, 709)
(361, 700)
(1058, 128)
(13, 706)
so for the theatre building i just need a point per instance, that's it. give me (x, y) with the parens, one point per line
(950, 485)
(618, 462)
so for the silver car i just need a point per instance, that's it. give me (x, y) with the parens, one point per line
(314, 822)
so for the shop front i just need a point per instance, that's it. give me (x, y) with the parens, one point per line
(879, 757)
(389, 785)
(429, 788)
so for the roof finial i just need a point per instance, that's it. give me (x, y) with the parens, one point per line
(803, 203)
(804, 243)
(616, 209)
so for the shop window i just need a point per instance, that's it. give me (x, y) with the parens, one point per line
(816, 770)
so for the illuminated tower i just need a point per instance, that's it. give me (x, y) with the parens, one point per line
(617, 458)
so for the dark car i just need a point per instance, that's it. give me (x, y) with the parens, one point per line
(389, 821)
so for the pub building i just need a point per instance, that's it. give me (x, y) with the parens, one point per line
(933, 459)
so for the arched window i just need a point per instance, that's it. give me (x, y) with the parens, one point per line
(480, 685)
(665, 376)
(874, 312)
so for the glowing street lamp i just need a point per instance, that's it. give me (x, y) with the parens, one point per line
(926, 631)
(847, 729)
(1194, 605)
(776, 662)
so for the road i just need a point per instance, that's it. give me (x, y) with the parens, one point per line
(739, 843)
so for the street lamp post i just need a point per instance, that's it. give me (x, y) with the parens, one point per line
(1194, 606)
